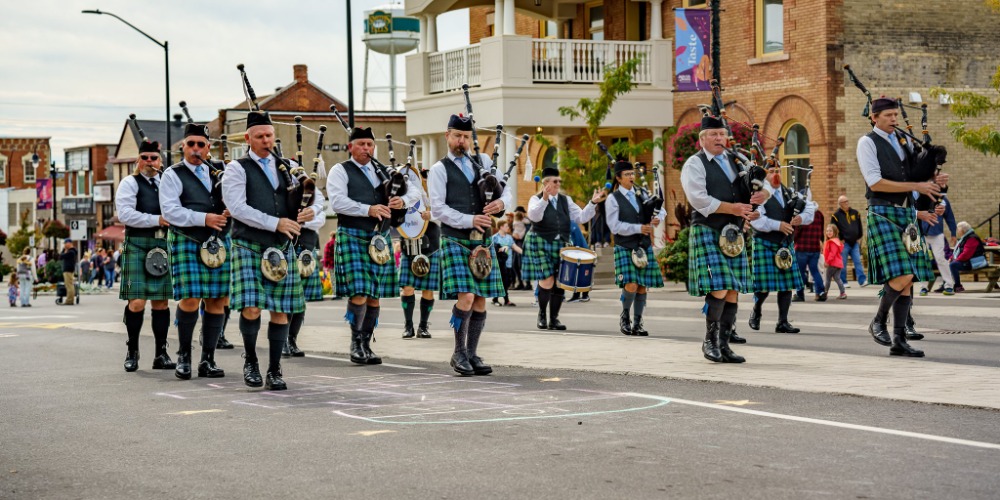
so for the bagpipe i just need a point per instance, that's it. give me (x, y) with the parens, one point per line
(157, 261)
(491, 187)
(420, 237)
(213, 253)
(795, 203)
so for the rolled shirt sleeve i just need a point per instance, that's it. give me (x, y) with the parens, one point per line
(125, 200)
(234, 193)
(693, 183)
(868, 161)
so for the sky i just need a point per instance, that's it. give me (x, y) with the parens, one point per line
(75, 77)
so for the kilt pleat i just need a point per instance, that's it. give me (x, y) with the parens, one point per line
(764, 273)
(456, 277)
(312, 286)
(626, 272)
(251, 289)
(356, 273)
(191, 278)
(541, 257)
(432, 281)
(136, 282)
(887, 255)
(709, 270)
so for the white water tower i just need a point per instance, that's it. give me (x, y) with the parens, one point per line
(388, 31)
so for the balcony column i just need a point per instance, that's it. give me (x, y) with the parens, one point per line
(432, 42)
(659, 233)
(432, 149)
(498, 20)
(423, 34)
(656, 20)
(509, 21)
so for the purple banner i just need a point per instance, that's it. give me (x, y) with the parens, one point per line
(43, 194)
(692, 64)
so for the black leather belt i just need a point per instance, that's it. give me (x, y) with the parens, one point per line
(886, 203)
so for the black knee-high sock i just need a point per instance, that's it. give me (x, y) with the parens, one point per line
(628, 298)
(133, 325)
(556, 297)
(249, 328)
(371, 319)
(161, 325)
(295, 321)
(225, 319)
(758, 301)
(476, 323)
(713, 313)
(408, 301)
(889, 297)
(426, 305)
(211, 325)
(544, 295)
(728, 318)
(277, 335)
(784, 302)
(639, 305)
(460, 322)
(900, 310)
(356, 315)
(185, 329)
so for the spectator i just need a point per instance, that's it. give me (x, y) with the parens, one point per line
(329, 254)
(520, 230)
(109, 268)
(808, 242)
(934, 234)
(118, 265)
(42, 260)
(26, 276)
(85, 268)
(68, 258)
(848, 222)
(833, 255)
(96, 266)
(12, 287)
(970, 253)
(503, 241)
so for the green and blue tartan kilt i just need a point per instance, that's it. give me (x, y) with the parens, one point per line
(191, 278)
(456, 277)
(252, 289)
(764, 273)
(430, 282)
(136, 282)
(541, 257)
(356, 273)
(626, 272)
(709, 270)
(312, 287)
(887, 255)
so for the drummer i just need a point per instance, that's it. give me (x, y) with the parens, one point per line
(551, 213)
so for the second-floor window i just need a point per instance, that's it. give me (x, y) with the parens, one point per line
(595, 21)
(29, 171)
(770, 27)
(695, 4)
(3, 169)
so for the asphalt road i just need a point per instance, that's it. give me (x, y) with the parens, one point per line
(74, 425)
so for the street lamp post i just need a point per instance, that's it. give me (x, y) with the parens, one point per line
(166, 62)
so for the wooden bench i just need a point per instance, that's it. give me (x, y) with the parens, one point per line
(992, 273)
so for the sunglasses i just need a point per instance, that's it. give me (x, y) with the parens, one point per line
(200, 144)
(149, 157)
(557, 181)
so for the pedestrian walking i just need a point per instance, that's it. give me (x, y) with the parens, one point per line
(808, 247)
(833, 255)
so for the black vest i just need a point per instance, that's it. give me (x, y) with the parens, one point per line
(147, 201)
(261, 196)
(462, 196)
(628, 213)
(195, 197)
(891, 167)
(774, 210)
(360, 189)
(719, 187)
(555, 221)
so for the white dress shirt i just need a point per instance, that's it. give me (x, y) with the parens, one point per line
(437, 185)
(615, 224)
(341, 203)
(234, 194)
(868, 155)
(320, 218)
(695, 188)
(537, 206)
(767, 224)
(125, 200)
(170, 200)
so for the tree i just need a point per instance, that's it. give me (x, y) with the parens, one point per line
(965, 105)
(21, 238)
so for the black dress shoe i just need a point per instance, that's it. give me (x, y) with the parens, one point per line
(728, 356)
(131, 360)
(785, 327)
(408, 332)
(285, 353)
(163, 362)
(274, 382)
(543, 322)
(478, 367)
(555, 324)
(208, 369)
(912, 334)
(901, 348)
(755, 319)
(251, 374)
(879, 333)
(372, 358)
(423, 332)
(183, 370)
(637, 328)
(625, 323)
(223, 343)
(294, 349)
(734, 338)
(460, 362)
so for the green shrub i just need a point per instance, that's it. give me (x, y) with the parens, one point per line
(673, 259)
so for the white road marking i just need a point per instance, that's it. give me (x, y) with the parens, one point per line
(831, 423)
(195, 412)
(347, 360)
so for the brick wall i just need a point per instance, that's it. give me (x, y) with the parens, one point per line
(479, 29)
(16, 150)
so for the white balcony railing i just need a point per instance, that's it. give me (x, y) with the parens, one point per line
(449, 70)
(583, 61)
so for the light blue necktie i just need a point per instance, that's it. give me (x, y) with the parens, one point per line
(779, 197)
(553, 201)
(896, 145)
(724, 164)
(270, 175)
(369, 174)
(466, 169)
(631, 198)
(199, 171)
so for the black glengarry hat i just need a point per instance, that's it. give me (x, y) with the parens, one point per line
(362, 133)
(195, 129)
(622, 166)
(882, 104)
(149, 147)
(550, 172)
(710, 122)
(255, 118)
(459, 122)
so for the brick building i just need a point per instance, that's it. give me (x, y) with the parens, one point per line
(86, 167)
(18, 174)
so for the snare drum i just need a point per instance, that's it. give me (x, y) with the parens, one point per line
(576, 271)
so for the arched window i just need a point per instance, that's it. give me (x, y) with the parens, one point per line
(551, 157)
(795, 150)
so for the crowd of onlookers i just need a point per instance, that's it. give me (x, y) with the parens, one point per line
(101, 266)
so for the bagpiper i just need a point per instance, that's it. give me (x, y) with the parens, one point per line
(307, 252)
(420, 264)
